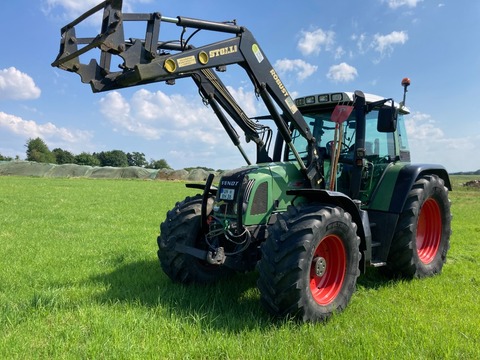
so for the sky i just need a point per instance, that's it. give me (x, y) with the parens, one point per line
(316, 46)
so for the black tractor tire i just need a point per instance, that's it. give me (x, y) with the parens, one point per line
(422, 235)
(183, 226)
(309, 263)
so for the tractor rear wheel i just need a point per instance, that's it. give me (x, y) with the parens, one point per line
(182, 226)
(309, 263)
(422, 236)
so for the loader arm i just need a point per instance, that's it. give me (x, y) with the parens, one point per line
(215, 93)
(151, 60)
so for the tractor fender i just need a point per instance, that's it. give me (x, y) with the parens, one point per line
(359, 217)
(407, 177)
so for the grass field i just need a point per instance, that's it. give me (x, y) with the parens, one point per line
(80, 280)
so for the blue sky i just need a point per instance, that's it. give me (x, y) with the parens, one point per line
(316, 46)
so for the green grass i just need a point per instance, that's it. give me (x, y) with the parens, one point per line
(80, 279)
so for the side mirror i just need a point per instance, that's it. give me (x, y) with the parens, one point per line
(387, 119)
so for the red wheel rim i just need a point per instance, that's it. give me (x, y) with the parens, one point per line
(429, 231)
(331, 257)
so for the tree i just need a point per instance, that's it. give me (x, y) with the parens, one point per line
(86, 159)
(63, 156)
(159, 164)
(5, 158)
(136, 159)
(115, 158)
(37, 150)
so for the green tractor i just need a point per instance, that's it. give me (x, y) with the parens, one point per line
(334, 192)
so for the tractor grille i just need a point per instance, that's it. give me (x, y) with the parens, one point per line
(260, 200)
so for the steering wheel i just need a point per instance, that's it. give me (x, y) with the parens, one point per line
(343, 149)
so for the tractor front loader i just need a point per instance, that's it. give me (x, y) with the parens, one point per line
(335, 192)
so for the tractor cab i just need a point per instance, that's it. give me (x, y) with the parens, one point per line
(341, 145)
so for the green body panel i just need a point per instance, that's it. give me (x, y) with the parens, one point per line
(270, 184)
(279, 177)
(383, 193)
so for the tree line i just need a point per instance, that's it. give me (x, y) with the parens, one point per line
(38, 151)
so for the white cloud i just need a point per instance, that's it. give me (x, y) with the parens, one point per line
(342, 73)
(311, 42)
(247, 101)
(16, 85)
(394, 4)
(72, 139)
(360, 42)
(181, 126)
(302, 68)
(421, 127)
(339, 52)
(155, 115)
(429, 144)
(384, 43)
(71, 9)
(116, 109)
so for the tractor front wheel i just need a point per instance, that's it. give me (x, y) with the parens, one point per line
(309, 263)
(422, 236)
(183, 227)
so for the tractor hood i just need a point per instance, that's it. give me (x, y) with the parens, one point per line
(258, 190)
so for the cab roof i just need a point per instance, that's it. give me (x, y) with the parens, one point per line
(331, 99)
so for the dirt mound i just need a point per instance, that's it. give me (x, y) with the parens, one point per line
(169, 174)
(473, 183)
